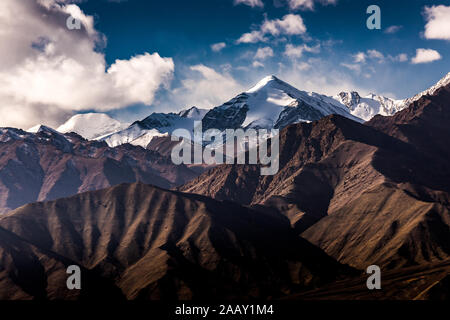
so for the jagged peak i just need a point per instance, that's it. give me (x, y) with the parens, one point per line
(445, 81)
(42, 128)
(264, 82)
(193, 112)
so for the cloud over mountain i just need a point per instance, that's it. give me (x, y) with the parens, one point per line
(48, 71)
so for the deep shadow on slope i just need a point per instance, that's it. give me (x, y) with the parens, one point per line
(158, 244)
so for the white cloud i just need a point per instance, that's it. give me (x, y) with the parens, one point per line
(392, 29)
(290, 24)
(302, 66)
(359, 57)
(257, 64)
(425, 56)
(438, 22)
(293, 51)
(205, 87)
(264, 53)
(48, 72)
(218, 46)
(304, 4)
(374, 54)
(251, 3)
(353, 67)
(319, 76)
(362, 57)
(307, 4)
(402, 57)
(297, 51)
(251, 37)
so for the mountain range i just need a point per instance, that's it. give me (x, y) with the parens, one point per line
(365, 193)
(47, 165)
(270, 104)
(349, 193)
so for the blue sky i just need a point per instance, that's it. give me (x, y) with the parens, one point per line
(185, 31)
(160, 55)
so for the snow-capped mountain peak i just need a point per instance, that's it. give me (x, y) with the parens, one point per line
(264, 82)
(370, 105)
(155, 125)
(272, 103)
(350, 99)
(41, 128)
(92, 125)
(430, 91)
(193, 113)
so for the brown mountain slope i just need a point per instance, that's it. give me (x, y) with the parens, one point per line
(153, 243)
(386, 226)
(322, 166)
(425, 124)
(28, 272)
(363, 195)
(49, 165)
(407, 220)
(424, 282)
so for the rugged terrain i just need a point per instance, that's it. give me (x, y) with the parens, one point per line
(347, 195)
(48, 165)
(139, 242)
(375, 193)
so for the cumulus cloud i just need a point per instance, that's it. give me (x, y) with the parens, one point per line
(359, 57)
(438, 22)
(307, 4)
(352, 66)
(251, 3)
(362, 57)
(374, 54)
(402, 57)
(257, 64)
(218, 46)
(290, 24)
(252, 37)
(48, 71)
(297, 51)
(264, 53)
(425, 56)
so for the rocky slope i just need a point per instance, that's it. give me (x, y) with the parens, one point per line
(143, 242)
(141, 133)
(48, 165)
(371, 105)
(366, 194)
